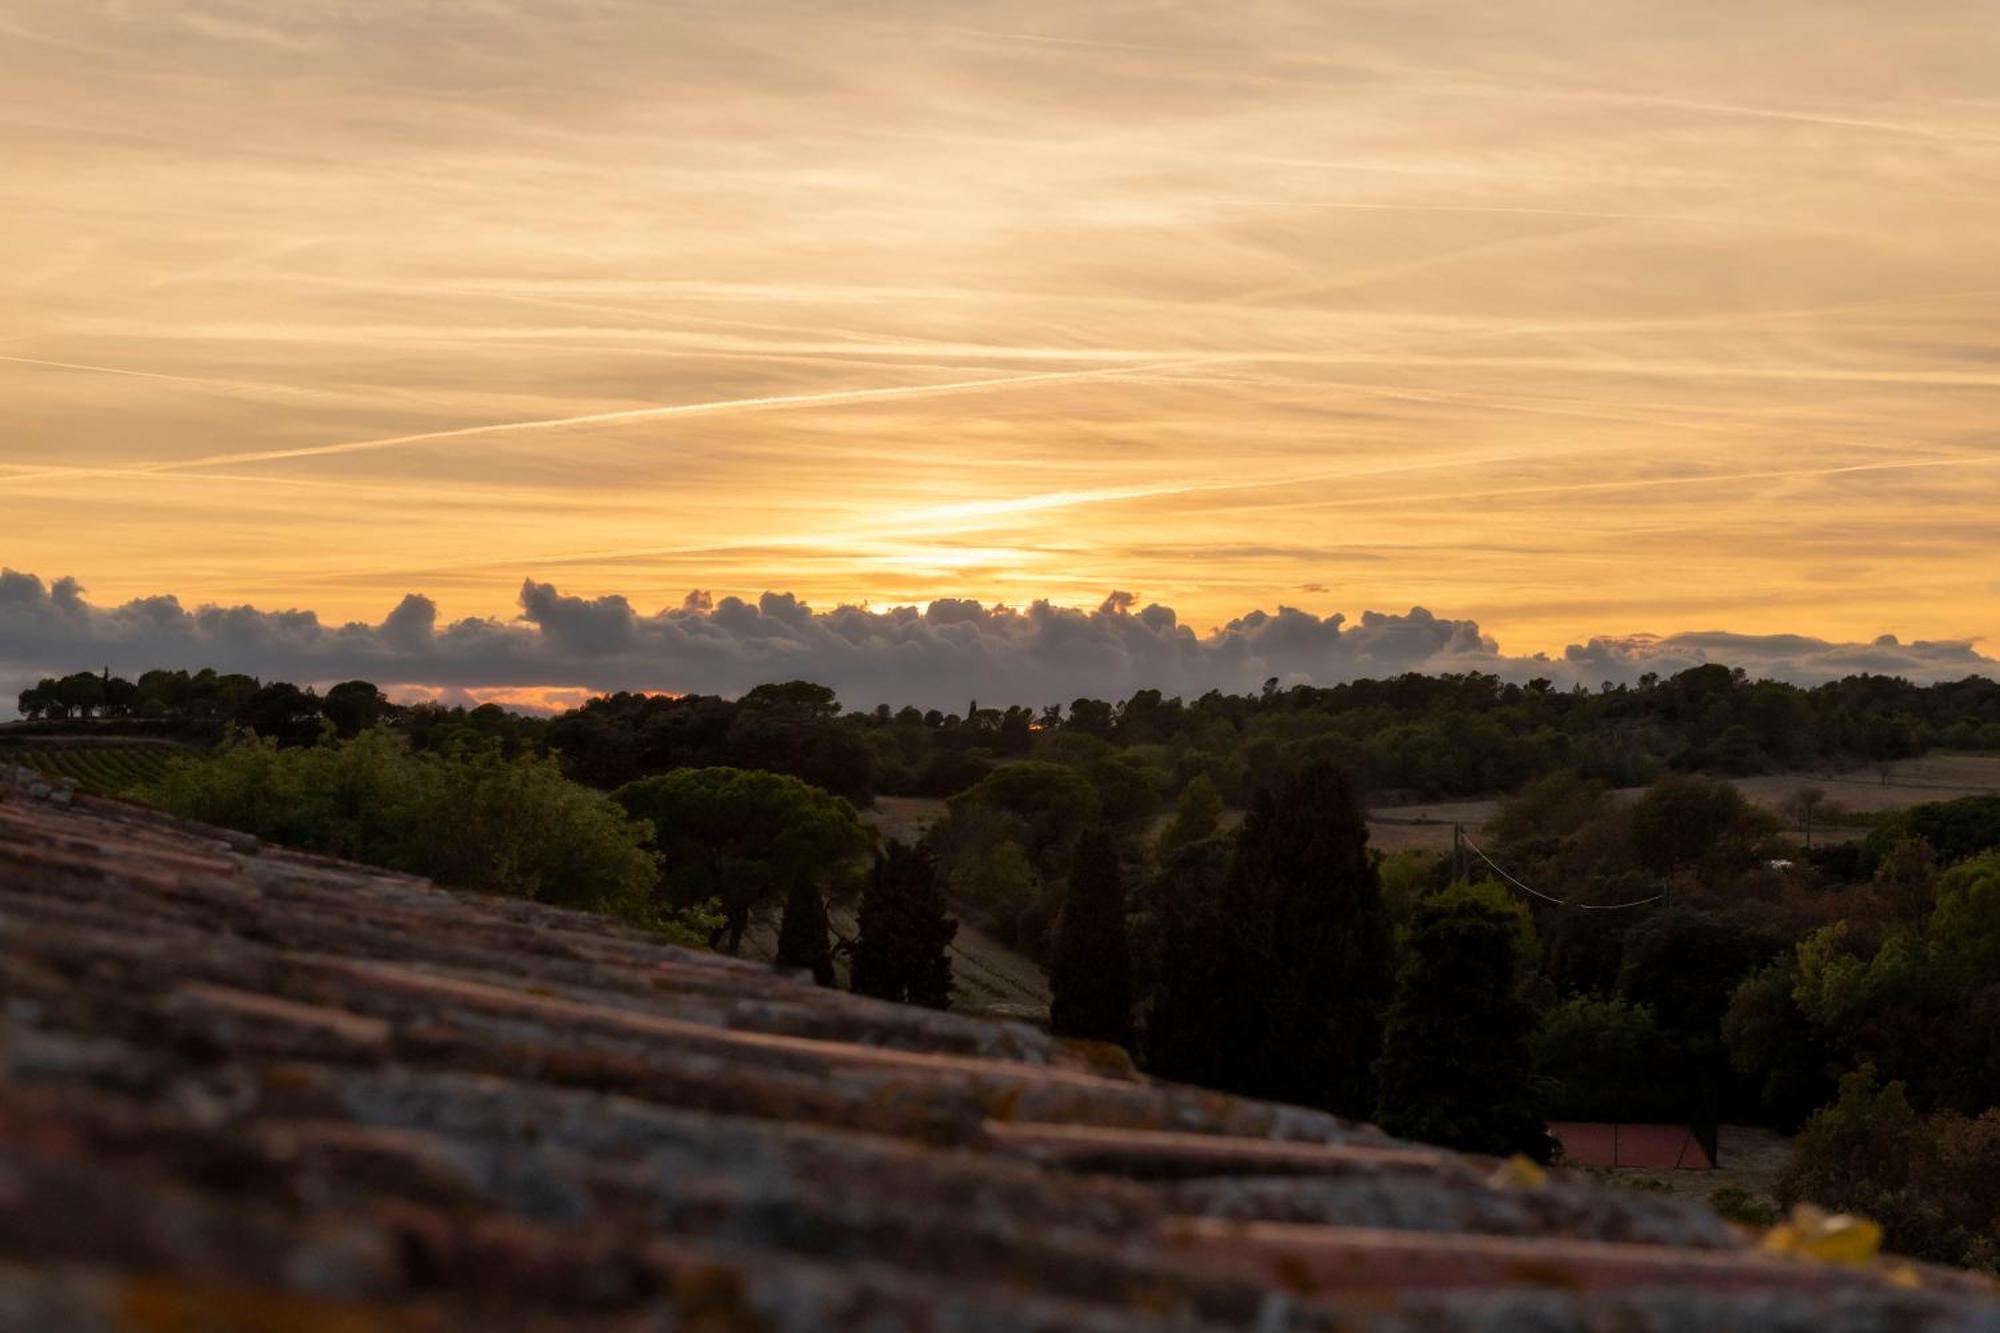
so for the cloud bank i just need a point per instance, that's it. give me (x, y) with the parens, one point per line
(940, 655)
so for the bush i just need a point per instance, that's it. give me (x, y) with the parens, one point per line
(1602, 1060)
(1739, 1205)
(1932, 1182)
(1955, 830)
(472, 819)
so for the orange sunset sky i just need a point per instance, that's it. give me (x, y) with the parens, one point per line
(1567, 318)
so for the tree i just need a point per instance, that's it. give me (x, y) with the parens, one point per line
(1053, 802)
(1690, 823)
(1965, 929)
(1455, 1066)
(1907, 873)
(1204, 1006)
(283, 712)
(743, 838)
(1800, 807)
(1955, 830)
(1860, 1155)
(1197, 814)
(802, 933)
(1275, 986)
(1685, 966)
(1090, 976)
(1772, 1042)
(1601, 1060)
(905, 934)
(354, 706)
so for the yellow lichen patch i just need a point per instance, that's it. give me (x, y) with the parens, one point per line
(1518, 1173)
(1828, 1238)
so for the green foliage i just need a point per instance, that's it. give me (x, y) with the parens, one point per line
(1554, 806)
(1455, 1064)
(1602, 1060)
(1197, 815)
(1908, 872)
(1932, 1182)
(1698, 824)
(474, 820)
(1053, 803)
(1922, 1009)
(1965, 929)
(1202, 956)
(905, 933)
(1126, 791)
(1739, 1205)
(1774, 1046)
(744, 838)
(1507, 907)
(1956, 830)
(793, 728)
(353, 707)
(1276, 986)
(1685, 965)
(1407, 880)
(1090, 972)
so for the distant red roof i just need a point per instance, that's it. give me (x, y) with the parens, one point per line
(243, 1089)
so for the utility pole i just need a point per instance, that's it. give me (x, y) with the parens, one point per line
(1457, 853)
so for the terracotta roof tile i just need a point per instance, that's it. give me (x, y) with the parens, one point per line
(247, 1089)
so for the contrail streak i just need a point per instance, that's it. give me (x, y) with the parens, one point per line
(114, 370)
(719, 407)
(1633, 484)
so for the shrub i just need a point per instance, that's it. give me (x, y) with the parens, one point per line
(472, 819)
(1739, 1205)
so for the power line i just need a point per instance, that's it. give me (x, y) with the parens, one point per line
(1537, 893)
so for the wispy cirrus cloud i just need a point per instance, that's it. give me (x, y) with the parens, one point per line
(1619, 307)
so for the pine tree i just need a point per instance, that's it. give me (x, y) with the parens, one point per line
(802, 934)
(1090, 974)
(1456, 1068)
(905, 933)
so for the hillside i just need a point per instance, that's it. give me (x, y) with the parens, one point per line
(242, 1089)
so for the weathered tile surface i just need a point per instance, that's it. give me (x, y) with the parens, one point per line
(243, 1089)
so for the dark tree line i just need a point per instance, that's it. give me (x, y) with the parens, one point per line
(1425, 736)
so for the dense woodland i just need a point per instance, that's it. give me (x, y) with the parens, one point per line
(1196, 876)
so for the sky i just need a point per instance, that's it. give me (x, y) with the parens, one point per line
(1570, 323)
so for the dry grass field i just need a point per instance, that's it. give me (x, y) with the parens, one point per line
(1942, 777)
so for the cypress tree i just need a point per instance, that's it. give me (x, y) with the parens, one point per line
(802, 934)
(1456, 1069)
(1204, 1000)
(1090, 974)
(1295, 952)
(905, 933)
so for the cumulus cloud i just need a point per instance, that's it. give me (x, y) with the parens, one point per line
(938, 655)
